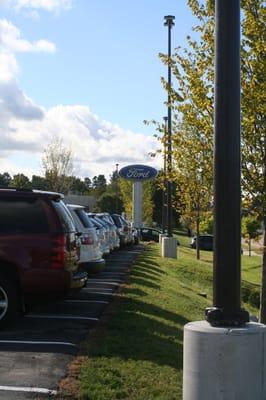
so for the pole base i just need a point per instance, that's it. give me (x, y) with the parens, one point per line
(224, 363)
(218, 317)
(169, 247)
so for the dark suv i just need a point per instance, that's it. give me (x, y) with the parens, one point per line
(38, 250)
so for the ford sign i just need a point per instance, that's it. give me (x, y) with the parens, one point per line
(138, 172)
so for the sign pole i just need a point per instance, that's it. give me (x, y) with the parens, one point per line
(137, 205)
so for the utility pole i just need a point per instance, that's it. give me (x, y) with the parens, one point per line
(169, 243)
(164, 193)
(116, 188)
(169, 22)
(225, 355)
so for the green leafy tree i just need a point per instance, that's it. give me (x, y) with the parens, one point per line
(99, 185)
(21, 181)
(192, 99)
(206, 223)
(5, 179)
(39, 182)
(109, 203)
(251, 229)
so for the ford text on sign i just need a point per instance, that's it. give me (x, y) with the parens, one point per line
(138, 172)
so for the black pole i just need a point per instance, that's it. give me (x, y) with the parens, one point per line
(226, 308)
(164, 192)
(169, 21)
(116, 188)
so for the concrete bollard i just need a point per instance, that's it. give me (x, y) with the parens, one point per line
(169, 247)
(226, 363)
(161, 236)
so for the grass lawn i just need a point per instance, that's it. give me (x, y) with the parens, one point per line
(137, 353)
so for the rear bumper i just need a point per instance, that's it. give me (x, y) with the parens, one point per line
(78, 280)
(93, 266)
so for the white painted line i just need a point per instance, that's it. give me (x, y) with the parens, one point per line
(103, 282)
(49, 316)
(28, 389)
(98, 288)
(89, 291)
(36, 342)
(87, 301)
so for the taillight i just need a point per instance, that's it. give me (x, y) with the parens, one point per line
(87, 239)
(125, 228)
(58, 252)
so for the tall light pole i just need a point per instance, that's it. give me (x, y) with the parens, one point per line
(116, 188)
(219, 357)
(226, 308)
(169, 22)
(164, 195)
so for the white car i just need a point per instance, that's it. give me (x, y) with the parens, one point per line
(90, 251)
(113, 236)
(102, 232)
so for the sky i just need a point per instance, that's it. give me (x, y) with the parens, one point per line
(87, 71)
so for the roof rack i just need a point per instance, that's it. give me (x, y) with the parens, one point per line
(15, 188)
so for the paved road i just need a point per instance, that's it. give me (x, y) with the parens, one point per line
(35, 351)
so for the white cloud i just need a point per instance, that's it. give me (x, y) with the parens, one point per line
(11, 41)
(27, 128)
(33, 5)
(97, 144)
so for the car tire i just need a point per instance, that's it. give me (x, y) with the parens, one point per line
(8, 301)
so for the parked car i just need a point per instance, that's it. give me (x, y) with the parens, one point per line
(90, 251)
(124, 230)
(114, 237)
(39, 250)
(103, 231)
(152, 234)
(205, 242)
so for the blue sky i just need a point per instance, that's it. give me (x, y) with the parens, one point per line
(106, 59)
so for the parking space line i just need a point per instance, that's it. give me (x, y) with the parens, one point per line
(102, 293)
(52, 316)
(103, 282)
(28, 389)
(37, 342)
(86, 301)
(98, 288)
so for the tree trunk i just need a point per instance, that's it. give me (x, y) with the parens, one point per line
(249, 247)
(197, 233)
(263, 281)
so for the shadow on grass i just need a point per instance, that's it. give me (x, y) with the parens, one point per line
(143, 332)
(144, 273)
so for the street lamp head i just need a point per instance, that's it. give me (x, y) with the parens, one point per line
(169, 20)
(165, 119)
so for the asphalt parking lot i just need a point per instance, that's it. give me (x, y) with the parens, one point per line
(35, 351)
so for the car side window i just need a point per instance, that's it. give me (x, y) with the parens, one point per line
(64, 216)
(22, 215)
(84, 218)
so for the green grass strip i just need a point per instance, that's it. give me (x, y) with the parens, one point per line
(137, 354)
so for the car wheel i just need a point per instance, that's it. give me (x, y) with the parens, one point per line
(8, 301)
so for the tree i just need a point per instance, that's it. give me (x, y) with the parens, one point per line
(5, 179)
(57, 163)
(99, 185)
(250, 229)
(39, 182)
(253, 121)
(21, 181)
(192, 103)
(109, 203)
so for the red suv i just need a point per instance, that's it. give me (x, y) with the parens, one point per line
(38, 250)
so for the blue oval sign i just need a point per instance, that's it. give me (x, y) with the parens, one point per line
(138, 172)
